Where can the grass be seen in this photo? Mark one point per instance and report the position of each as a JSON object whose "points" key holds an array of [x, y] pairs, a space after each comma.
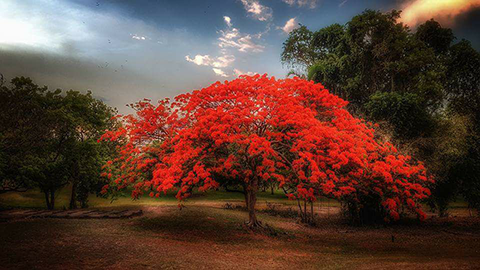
{"points": [[36, 199], [203, 235]]}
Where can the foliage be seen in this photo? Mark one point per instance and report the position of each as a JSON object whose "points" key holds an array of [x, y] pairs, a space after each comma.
{"points": [[464, 79], [374, 53], [48, 139], [416, 82], [298, 49], [403, 110], [435, 36], [257, 129]]}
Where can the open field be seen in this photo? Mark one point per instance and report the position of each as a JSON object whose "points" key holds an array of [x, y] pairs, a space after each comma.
{"points": [[206, 236]]}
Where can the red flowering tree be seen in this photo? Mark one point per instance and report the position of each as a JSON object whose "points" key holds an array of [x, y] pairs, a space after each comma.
{"points": [[257, 129]]}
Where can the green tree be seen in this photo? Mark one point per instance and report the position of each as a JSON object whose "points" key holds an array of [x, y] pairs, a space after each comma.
{"points": [[374, 53], [88, 118], [298, 50], [48, 140], [22, 132], [435, 36]]}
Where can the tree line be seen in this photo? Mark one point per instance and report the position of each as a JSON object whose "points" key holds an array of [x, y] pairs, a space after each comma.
{"points": [[422, 85]]}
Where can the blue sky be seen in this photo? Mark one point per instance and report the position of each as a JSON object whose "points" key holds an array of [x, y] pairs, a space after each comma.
{"points": [[125, 50]]}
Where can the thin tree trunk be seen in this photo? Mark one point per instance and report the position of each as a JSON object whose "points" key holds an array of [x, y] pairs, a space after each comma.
{"points": [[305, 210], [47, 200], [73, 197], [300, 210], [52, 199], [312, 216]]}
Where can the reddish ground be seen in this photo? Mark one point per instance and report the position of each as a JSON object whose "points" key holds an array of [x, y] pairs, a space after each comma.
{"points": [[208, 237]]}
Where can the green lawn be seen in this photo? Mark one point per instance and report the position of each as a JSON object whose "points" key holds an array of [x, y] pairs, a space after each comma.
{"points": [[36, 199]]}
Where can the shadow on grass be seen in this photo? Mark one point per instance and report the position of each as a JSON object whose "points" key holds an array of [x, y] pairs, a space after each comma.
{"points": [[194, 224]]}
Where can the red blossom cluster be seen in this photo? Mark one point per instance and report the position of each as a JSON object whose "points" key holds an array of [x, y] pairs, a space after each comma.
{"points": [[257, 128]]}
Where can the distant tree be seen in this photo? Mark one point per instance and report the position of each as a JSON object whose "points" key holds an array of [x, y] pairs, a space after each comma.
{"points": [[376, 54], [435, 36], [463, 72], [299, 50]]}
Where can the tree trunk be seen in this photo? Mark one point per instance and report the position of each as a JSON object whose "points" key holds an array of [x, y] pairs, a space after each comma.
{"points": [[312, 214], [52, 199], [272, 188], [47, 200], [302, 216], [73, 197], [250, 200]]}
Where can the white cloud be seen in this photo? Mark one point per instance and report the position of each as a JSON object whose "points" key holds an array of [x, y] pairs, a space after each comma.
{"points": [[257, 10], [230, 41], [28, 24], [342, 3], [206, 60], [201, 60], [228, 21], [302, 3], [290, 25], [138, 37], [238, 72], [219, 72], [242, 42]]}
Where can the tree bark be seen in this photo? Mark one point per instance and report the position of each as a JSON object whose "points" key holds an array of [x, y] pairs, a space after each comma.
{"points": [[250, 200], [52, 199], [73, 197], [47, 200]]}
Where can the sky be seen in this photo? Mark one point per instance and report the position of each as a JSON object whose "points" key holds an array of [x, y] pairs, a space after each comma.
{"points": [[127, 50]]}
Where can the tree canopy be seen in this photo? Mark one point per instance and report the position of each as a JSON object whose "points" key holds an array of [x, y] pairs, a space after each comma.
{"points": [[415, 83], [48, 140], [258, 129]]}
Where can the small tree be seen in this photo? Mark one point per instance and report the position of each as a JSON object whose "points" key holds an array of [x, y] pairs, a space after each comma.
{"points": [[256, 129]]}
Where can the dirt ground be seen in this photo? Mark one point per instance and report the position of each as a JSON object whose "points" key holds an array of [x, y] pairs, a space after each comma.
{"points": [[209, 237]]}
